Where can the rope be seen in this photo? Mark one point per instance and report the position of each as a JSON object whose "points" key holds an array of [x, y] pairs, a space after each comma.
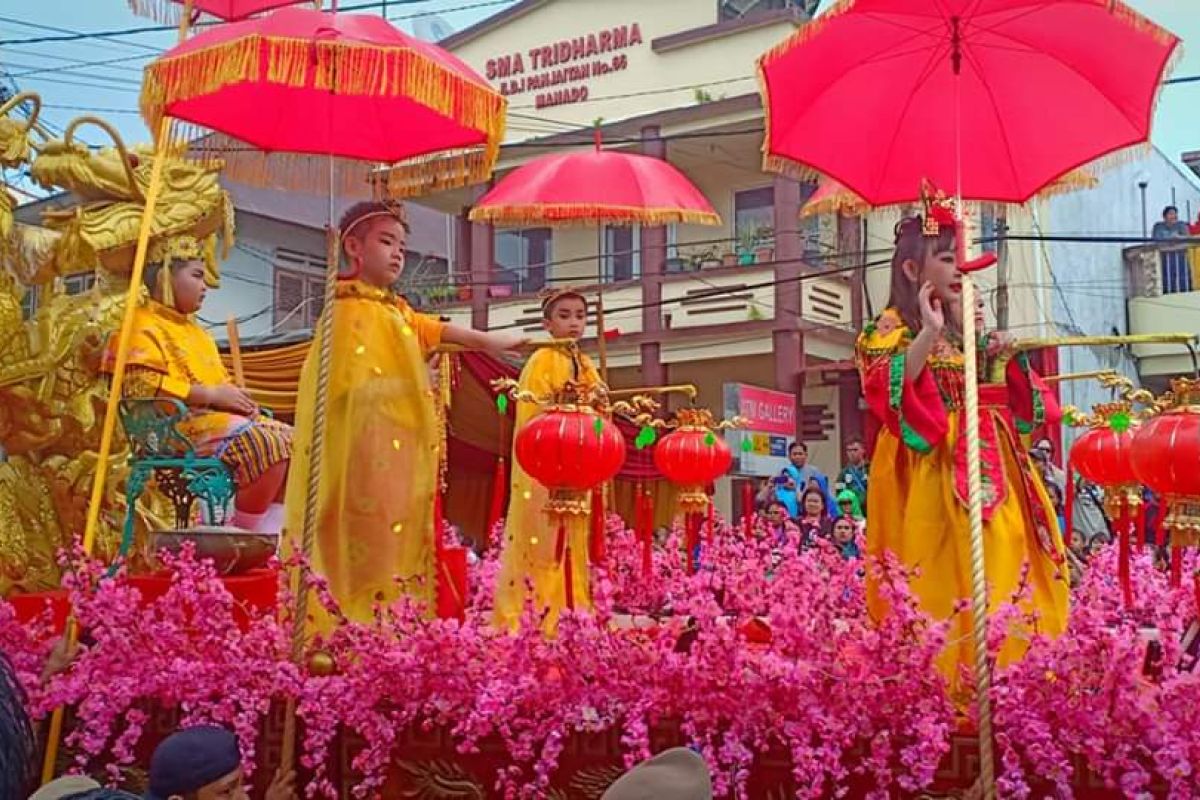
{"points": [[312, 489], [979, 599]]}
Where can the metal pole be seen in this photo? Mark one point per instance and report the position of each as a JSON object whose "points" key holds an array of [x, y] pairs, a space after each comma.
{"points": [[1145, 230]]}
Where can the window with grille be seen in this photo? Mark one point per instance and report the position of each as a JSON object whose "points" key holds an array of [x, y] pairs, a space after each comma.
{"points": [[78, 283], [299, 289]]}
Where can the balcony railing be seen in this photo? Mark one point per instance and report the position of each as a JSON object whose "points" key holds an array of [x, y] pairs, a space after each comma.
{"points": [[1154, 270]]}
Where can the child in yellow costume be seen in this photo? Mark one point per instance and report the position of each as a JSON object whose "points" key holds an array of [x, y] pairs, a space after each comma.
{"points": [[527, 560], [379, 465], [170, 355], [912, 368]]}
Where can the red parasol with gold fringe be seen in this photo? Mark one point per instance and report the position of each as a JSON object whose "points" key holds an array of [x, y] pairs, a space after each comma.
{"points": [[175, 11], [832, 197], [595, 187], [265, 94]]}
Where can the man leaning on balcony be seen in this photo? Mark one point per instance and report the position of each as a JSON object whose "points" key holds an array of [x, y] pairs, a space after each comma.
{"points": [[1176, 275]]}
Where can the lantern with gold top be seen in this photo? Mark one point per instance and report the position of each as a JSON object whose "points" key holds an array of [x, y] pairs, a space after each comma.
{"points": [[570, 447], [1102, 455], [1166, 457], [692, 456]]}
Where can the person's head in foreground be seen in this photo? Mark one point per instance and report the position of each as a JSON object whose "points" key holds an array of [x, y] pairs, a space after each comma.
{"points": [[374, 239], [18, 746], [202, 763], [676, 774]]}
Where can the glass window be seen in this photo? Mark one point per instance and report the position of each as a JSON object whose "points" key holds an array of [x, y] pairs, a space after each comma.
{"points": [[522, 258], [753, 211], [622, 252]]}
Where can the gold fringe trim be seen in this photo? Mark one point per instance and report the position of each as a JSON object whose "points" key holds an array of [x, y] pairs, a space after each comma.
{"points": [[162, 11], [348, 69], [584, 213]]}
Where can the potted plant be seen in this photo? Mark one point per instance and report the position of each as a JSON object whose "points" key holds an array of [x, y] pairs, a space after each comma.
{"points": [[729, 259], [464, 292], [708, 258], [763, 249], [747, 241]]}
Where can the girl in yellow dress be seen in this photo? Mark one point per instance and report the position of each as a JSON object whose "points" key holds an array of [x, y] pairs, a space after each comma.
{"points": [[379, 464], [527, 561], [912, 368], [170, 355]]}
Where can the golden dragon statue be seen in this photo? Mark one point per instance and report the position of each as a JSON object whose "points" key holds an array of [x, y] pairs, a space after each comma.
{"points": [[52, 394]]}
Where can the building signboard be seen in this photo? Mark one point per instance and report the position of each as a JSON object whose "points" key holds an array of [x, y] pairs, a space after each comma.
{"points": [[561, 72], [770, 426]]}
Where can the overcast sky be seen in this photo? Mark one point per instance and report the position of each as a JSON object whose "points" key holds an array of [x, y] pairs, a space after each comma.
{"points": [[110, 90]]}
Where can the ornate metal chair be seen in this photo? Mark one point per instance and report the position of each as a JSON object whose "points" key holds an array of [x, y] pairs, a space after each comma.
{"points": [[158, 450]]}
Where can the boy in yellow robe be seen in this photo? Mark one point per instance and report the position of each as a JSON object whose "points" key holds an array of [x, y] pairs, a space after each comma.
{"points": [[527, 560], [379, 465], [170, 355]]}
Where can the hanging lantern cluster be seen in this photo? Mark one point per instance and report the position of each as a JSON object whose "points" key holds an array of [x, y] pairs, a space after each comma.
{"points": [[1166, 458]]}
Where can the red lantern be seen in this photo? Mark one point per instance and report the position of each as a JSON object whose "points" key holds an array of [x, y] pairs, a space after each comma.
{"points": [[569, 449], [693, 456], [1103, 455], [1166, 457]]}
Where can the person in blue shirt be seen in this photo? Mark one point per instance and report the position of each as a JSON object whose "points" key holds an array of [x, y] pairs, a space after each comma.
{"points": [[796, 478]]}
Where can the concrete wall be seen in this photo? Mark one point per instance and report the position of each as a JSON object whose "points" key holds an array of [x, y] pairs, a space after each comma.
{"points": [[247, 276], [1088, 280]]}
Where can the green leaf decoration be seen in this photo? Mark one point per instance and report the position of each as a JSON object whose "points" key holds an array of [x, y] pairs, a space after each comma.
{"points": [[645, 437], [710, 439], [599, 426], [747, 445], [1120, 421], [1069, 419], [502, 403]]}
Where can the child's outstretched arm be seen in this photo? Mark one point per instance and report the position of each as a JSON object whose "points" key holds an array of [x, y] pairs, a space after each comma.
{"points": [[495, 342]]}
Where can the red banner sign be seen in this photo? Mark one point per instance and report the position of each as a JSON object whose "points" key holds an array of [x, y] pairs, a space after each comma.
{"points": [[767, 411]]}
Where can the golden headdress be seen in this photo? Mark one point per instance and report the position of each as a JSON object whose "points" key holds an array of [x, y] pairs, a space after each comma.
{"points": [[361, 212], [167, 250], [551, 296]]}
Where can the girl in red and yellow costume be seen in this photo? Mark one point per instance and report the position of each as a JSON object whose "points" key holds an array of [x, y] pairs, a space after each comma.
{"points": [[911, 363], [170, 355], [530, 537], [379, 462]]}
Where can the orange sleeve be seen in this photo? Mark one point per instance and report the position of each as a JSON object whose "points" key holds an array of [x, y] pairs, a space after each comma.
{"points": [[429, 331]]}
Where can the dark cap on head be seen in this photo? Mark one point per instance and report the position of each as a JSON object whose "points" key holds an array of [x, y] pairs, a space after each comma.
{"points": [[191, 759]]}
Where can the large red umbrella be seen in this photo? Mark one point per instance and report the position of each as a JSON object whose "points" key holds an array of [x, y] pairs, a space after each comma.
{"points": [[172, 11], [866, 93], [301, 81], [996, 98]]}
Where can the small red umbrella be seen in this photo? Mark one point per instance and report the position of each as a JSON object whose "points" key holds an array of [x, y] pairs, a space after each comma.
{"points": [[173, 11], [306, 82], [866, 93], [595, 186]]}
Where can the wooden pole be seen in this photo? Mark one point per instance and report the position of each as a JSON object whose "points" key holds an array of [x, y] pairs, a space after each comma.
{"points": [[100, 478], [235, 351]]}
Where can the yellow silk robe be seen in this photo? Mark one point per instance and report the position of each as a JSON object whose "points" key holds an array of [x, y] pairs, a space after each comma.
{"points": [[378, 470], [168, 354], [917, 494], [530, 536]]}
